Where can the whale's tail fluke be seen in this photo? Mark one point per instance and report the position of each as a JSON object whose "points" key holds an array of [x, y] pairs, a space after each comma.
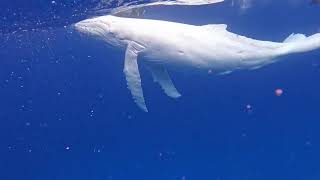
{"points": [[299, 43]]}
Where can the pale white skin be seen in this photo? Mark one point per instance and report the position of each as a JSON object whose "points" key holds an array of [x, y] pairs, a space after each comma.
{"points": [[208, 47]]}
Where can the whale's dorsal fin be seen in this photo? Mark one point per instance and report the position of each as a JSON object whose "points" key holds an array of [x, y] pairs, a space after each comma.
{"points": [[161, 76], [215, 27], [295, 38], [132, 74]]}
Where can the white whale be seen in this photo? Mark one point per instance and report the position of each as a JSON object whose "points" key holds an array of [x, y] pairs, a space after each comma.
{"points": [[162, 43]]}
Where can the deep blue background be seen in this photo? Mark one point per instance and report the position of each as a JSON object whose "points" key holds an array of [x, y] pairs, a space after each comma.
{"points": [[66, 112]]}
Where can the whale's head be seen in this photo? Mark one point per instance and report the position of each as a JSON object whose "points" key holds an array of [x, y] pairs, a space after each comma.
{"points": [[102, 28], [97, 27]]}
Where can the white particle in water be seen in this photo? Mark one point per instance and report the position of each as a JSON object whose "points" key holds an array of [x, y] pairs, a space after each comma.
{"points": [[308, 143], [91, 113]]}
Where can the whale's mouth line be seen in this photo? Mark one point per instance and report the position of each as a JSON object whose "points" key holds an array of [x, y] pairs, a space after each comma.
{"points": [[94, 27]]}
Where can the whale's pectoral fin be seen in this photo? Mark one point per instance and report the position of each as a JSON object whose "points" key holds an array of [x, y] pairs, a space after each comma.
{"points": [[161, 76], [132, 74]]}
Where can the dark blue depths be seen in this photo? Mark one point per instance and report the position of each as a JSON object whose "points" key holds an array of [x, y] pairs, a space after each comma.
{"points": [[66, 113]]}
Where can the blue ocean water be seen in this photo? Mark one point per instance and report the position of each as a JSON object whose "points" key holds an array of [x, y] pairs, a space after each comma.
{"points": [[66, 112]]}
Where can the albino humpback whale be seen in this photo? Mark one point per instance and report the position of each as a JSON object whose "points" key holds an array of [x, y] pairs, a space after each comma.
{"points": [[162, 43]]}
